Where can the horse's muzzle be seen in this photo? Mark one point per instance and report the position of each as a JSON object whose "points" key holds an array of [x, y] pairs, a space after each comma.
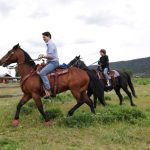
{"points": [[3, 63]]}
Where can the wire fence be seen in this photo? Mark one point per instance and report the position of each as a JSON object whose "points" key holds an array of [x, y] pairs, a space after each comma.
{"points": [[8, 83]]}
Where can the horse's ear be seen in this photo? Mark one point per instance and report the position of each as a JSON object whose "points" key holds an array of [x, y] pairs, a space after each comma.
{"points": [[16, 46], [78, 57]]}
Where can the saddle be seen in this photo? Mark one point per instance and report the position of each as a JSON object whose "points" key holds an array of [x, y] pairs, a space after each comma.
{"points": [[113, 74], [53, 77]]}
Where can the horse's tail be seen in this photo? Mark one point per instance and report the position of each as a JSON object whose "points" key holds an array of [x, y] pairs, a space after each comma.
{"points": [[131, 85], [96, 86]]}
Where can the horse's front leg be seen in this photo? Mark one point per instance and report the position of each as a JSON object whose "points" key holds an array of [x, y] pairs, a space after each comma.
{"points": [[39, 105], [23, 100]]}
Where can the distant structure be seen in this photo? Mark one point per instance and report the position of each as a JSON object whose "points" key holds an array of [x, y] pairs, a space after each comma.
{"points": [[4, 79]]}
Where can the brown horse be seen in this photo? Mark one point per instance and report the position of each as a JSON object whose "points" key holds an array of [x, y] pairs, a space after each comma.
{"points": [[75, 80]]}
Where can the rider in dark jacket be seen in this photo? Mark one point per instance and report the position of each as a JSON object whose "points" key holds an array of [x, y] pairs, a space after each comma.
{"points": [[104, 63]]}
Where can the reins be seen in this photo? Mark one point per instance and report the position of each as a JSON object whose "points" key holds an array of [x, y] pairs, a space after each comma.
{"points": [[86, 67], [93, 63], [21, 63]]}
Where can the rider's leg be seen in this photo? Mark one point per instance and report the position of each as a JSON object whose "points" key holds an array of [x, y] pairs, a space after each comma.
{"points": [[107, 76], [51, 66]]}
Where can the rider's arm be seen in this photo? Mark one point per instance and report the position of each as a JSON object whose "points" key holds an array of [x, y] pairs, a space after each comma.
{"points": [[99, 62], [48, 57]]}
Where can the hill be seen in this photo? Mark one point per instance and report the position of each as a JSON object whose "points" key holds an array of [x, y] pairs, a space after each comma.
{"points": [[139, 67]]}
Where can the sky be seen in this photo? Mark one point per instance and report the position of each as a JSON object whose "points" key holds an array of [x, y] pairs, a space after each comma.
{"points": [[78, 27]]}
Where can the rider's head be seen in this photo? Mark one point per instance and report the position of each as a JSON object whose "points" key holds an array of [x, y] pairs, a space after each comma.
{"points": [[102, 52], [46, 36]]}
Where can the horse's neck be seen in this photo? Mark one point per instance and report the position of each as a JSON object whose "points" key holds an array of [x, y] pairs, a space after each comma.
{"points": [[83, 65], [24, 69]]}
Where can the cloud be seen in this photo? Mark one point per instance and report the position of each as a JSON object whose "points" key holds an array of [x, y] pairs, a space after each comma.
{"points": [[100, 19], [39, 14], [83, 41], [64, 1], [5, 8], [129, 44], [34, 43], [59, 44], [37, 43]]}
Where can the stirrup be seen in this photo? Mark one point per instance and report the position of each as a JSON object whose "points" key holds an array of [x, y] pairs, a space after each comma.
{"points": [[47, 94], [109, 83]]}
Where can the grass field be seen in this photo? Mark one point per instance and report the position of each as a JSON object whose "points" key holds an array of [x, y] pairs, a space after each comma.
{"points": [[112, 128]]}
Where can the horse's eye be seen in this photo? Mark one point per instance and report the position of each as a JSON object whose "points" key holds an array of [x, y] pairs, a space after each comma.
{"points": [[12, 52]]}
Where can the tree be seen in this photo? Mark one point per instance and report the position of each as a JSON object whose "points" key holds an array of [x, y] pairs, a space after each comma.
{"points": [[17, 72]]}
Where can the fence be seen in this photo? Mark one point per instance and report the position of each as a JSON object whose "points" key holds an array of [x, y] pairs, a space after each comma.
{"points": [[7, 86]]}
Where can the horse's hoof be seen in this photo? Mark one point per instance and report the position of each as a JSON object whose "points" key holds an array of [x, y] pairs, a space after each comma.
{"points": [[133, 105], [47, 123], [15, 123]]}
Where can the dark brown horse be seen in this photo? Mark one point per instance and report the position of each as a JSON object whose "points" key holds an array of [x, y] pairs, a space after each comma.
{"points": [[120, 82], [75, 80]]}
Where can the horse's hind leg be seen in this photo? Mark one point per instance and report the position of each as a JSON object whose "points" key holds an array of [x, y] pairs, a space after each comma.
{"points": [[89, 94], [78, 97], [72, 110], [39, 105], [23, 100], [130, 96], [95, 100], [88, 101], [119, 95]]}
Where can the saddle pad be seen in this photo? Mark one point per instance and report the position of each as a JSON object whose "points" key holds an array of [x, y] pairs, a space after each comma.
{"points": [[116, 73]]}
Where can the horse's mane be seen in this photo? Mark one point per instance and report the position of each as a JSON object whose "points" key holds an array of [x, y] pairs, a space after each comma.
{"points": [[28, 59], [83, 62]]}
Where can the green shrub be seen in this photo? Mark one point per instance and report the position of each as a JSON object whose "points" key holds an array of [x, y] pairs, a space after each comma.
{"points": [[77, 121], [7, 144], [117, 113], [108, 98], [63, 97], [126, 98], [107, 115], [25, 110], [31, 104], [142, 81], [53, 113]]}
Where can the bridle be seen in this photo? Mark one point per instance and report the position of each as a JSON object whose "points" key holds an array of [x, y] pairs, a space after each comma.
{"points": [[75, 63], [18, 63], [6, 59]]}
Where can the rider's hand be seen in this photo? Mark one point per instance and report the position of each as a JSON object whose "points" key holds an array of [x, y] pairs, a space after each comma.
{"points": [[41, 56]]}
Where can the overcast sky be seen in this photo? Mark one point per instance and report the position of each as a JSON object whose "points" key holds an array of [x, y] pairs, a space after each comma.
{"points": [[82, 27]]}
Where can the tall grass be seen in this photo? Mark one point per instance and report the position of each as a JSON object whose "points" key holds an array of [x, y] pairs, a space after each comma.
{"points": [[141, 81], [113, 126], [108, 115]]}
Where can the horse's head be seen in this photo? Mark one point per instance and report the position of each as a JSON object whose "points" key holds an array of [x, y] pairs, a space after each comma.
{"points": [[10, 57], [76, 62]]}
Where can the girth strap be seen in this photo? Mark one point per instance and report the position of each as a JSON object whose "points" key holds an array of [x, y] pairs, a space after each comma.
{"points": [[26, 77], [56, 83]]}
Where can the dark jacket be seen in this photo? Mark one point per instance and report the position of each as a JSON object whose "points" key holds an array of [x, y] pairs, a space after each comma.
{"points": [[104, 62]]}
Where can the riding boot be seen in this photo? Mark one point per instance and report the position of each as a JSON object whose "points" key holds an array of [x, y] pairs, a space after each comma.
{"points": [[108, 83], [47, 94]]}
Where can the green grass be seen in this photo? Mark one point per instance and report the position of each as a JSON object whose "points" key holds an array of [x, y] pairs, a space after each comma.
{"points": [[113, 127]]}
